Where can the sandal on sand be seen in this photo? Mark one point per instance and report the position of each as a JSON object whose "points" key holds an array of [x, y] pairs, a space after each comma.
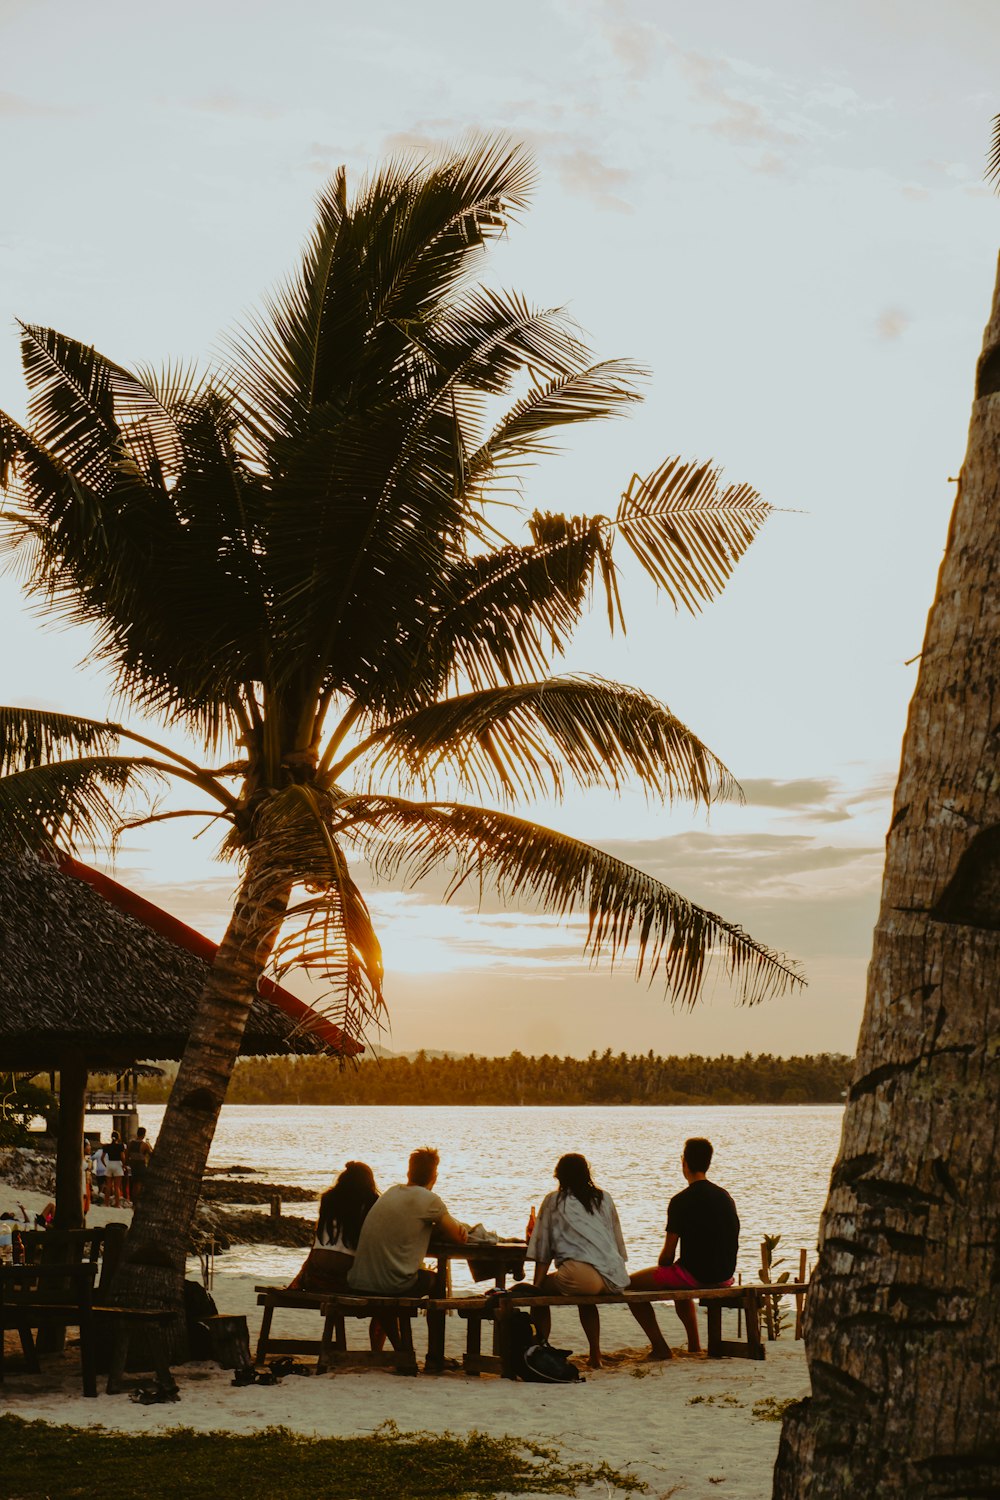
{"points": [[154, 1395]]}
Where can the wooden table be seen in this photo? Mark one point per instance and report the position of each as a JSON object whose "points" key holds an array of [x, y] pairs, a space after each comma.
{"points": [[491, 1262], [50, 1297]]}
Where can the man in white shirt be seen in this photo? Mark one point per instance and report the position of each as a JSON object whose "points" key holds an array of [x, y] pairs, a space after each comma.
{"points": [[397, 1230]]}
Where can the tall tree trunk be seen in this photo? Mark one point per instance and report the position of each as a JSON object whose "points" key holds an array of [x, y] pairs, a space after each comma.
{"points": [[69, 1143], [151, 1272], [903, 1319]]}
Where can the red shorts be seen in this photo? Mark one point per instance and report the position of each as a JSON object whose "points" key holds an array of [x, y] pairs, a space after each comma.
{"points": [[676, 1278]]}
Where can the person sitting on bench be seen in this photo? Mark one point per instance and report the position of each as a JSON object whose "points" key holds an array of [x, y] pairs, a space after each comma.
{"points": [[343, 1209], [397, 1231], [703, 1222], [578, 1228]]}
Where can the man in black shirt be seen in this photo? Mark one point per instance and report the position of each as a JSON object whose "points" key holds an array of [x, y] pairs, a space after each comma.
{"points": [[701, 1221]]}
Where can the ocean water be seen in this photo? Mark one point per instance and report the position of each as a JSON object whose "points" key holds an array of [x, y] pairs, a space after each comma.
{"points": [[495, 1163]]}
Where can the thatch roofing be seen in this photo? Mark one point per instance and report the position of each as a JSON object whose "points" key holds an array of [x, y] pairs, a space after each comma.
{"points": [[89, 968]]}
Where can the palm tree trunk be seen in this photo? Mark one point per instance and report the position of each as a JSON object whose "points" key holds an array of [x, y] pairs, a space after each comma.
{"points": [[903, 1318], [151, 1273]]}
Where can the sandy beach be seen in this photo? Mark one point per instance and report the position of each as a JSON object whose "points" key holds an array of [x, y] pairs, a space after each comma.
{"points": [[686, 1428]]}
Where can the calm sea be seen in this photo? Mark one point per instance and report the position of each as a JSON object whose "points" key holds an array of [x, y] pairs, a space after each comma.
{"points": [[496, 1163]]}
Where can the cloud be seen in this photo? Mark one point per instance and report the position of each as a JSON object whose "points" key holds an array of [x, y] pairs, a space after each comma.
{"points": [[634, 43], [891, 324], [742, 120], [583, 171], [803, 793]]}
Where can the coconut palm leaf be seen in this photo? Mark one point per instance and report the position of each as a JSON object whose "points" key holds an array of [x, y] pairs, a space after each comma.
{"points": [[526, 740], [33, 737], [993, 164], [337, 327], [687, 533], [672, 937], [529, 428], [72, 803]]}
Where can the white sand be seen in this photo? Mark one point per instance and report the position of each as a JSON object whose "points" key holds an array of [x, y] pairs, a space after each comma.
{"points": [[686, 1427]]}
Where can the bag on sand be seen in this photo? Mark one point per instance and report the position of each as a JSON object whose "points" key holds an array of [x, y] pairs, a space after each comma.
{"points": [[198, 1304], [528, 1359]]}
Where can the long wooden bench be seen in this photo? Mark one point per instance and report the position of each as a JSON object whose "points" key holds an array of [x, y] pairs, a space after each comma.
{"points": [[330, 1350], [750, 1301]]}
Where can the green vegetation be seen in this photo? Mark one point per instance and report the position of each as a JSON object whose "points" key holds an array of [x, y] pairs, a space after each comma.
{"points": [[41, 1460], [20, 1102], [605, 1079], [770, 1409]]}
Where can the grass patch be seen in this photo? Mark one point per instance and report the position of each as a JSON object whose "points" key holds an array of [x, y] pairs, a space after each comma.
{"points": [[769, 1409], [41, 1460]]}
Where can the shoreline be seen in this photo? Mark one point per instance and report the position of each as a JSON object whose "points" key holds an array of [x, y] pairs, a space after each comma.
{"points": [[682, 1426]]}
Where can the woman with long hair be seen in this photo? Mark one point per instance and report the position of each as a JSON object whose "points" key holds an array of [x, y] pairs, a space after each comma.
{"points": [[342, 1211], [578, 1228]]}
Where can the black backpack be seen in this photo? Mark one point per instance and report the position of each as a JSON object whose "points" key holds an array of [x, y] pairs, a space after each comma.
{"points": [[198, 1304], [526, 1358]]}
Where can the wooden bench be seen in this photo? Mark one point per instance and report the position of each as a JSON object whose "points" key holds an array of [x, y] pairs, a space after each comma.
{"points": [[330, 1350], [748, 1300], [43, 1297]]}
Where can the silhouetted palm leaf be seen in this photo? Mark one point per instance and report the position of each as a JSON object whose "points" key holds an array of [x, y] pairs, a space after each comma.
{"points": [[525, 740], [993, 164]]}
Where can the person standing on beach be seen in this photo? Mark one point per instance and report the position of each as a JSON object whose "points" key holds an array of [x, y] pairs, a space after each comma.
{"points": [[397, 1230], [703, 1238], [114, 1156], [139, 1152]]}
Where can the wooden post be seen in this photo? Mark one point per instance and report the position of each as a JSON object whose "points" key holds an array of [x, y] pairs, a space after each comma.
{"points": [[275, 1205], [69, 1144], [765, 1275], [799, 1299]]}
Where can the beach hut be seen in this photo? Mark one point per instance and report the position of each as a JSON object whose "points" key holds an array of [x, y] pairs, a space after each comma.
{"points": [[93, 978]]}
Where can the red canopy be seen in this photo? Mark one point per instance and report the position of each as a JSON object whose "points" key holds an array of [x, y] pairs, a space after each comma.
{"points": [[179, 933]]}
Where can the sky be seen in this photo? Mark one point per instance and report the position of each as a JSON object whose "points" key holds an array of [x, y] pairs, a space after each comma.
{"points": [[778, 208]]}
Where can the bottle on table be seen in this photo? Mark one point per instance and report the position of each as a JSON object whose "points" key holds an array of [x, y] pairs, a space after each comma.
{"points": [[530, 1227]]}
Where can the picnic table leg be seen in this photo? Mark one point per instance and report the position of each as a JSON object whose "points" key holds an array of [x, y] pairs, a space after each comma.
{"points": [[434, 1362], [264, 1335], [752, 1305], [88, 1352], [714, 1314], [406, 1359], [502, 1324], [473, 1344], [119, 1354]]}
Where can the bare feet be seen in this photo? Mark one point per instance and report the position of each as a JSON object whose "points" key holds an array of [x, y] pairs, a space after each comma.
{"points": [[660, 1353], [595, 1362]]}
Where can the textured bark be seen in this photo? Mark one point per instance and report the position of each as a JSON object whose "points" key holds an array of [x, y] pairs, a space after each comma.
{"points": [[151, 1273], [69, 1143], [903, 1319]]}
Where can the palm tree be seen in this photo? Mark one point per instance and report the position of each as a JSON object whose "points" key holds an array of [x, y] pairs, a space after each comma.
{"points": [[299, 562], [903, 1319]]}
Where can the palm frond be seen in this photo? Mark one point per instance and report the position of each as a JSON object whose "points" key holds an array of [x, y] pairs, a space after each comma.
{"points": [[672, 937], [534, 422], [523, 740], [74, 803], [372, 267], [687, 533], [993, 163], [32, 737]]}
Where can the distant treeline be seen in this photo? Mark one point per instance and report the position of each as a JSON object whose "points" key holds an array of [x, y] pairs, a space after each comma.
{"points": [[608, 1078]]}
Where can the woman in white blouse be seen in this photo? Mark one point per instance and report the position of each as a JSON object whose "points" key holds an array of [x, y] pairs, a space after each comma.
{"points": [[578, 1228], [342, 1211]]}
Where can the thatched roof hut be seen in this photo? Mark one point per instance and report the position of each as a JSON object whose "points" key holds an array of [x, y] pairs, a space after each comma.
{"points": [[94, 978], [90, 968]]}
